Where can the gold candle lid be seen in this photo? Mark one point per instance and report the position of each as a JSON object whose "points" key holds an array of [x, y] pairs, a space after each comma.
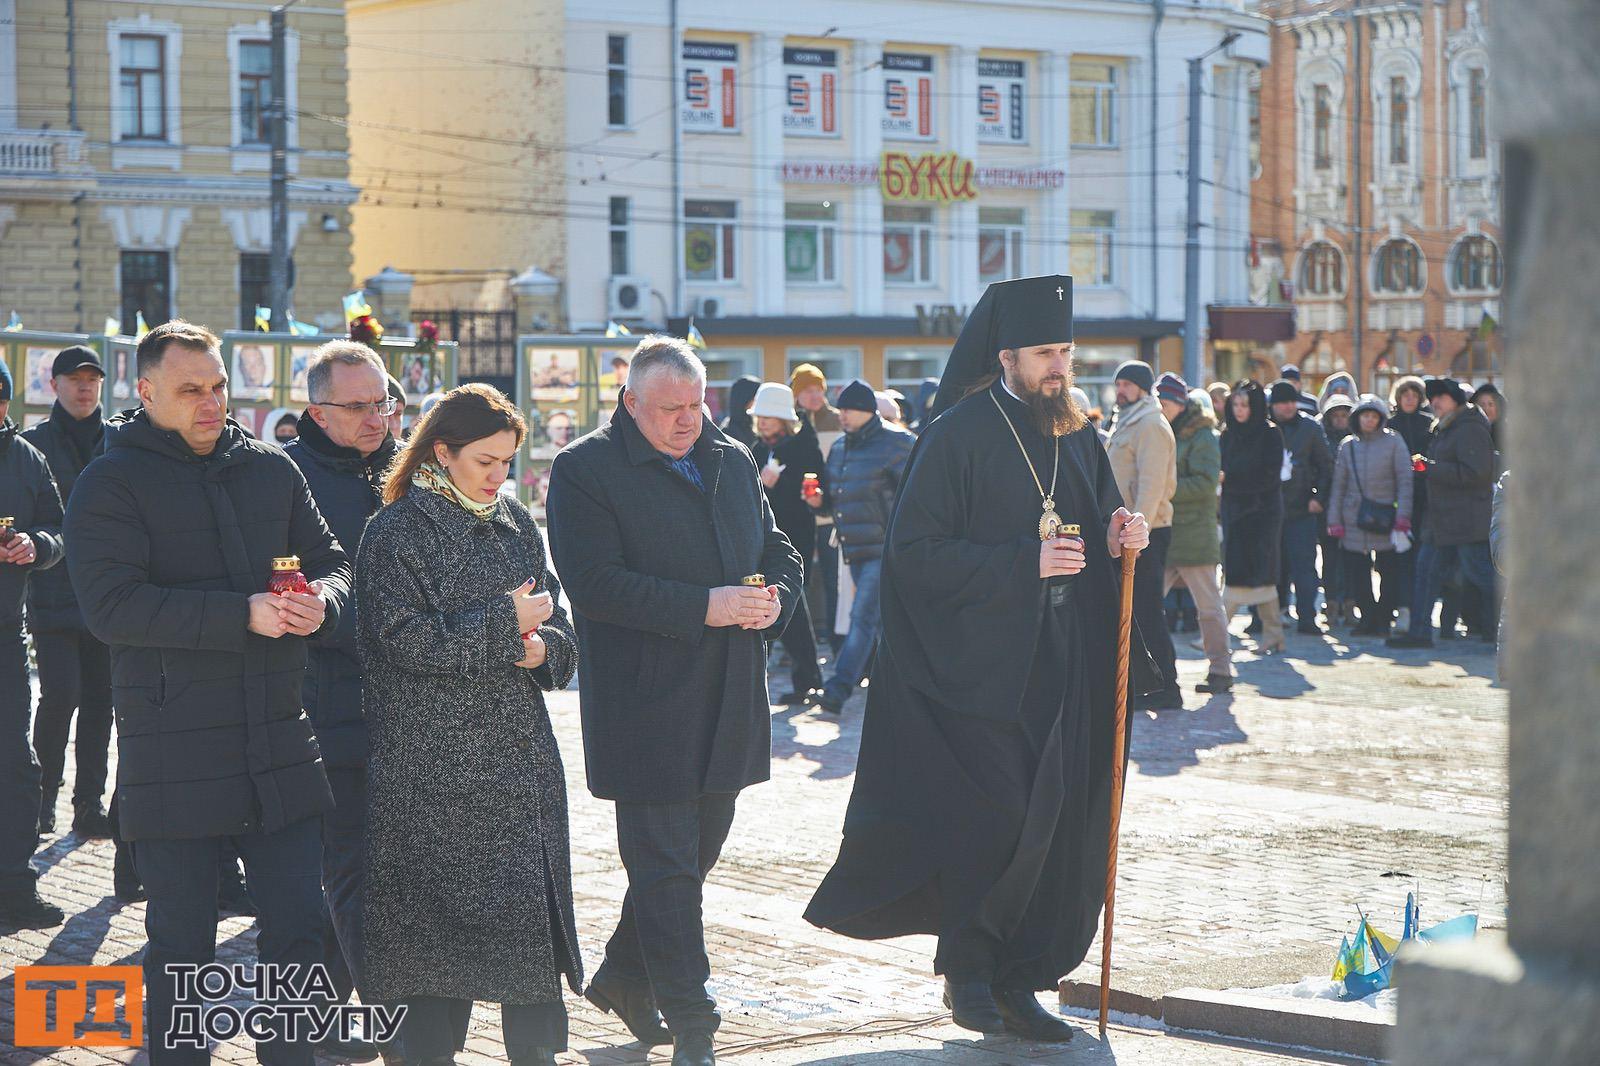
{"points": [[1071, 529], [7, 523], [286, 562], [755, 581]]}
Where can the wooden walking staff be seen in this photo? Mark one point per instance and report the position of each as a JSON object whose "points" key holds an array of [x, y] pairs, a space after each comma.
{"points": [[1119, 747]]}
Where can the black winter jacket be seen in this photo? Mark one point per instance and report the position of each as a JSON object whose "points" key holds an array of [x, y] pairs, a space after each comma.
{"points": [[167, 548], [799, 455], [347, 490], [1312, 470], [864, 470], [28, 495], [51, 603]]}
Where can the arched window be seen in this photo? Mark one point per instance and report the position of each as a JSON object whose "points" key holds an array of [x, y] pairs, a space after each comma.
{"points": [[1321, 270], [1397, 267], [1475, 265]]}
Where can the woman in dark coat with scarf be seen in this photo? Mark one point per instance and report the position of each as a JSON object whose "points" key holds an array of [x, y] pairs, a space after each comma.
{"points": [[1252, 510], [468, 878]]}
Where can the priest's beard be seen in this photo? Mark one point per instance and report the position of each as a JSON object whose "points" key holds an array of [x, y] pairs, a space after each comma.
{"points": [[1054, 413]]}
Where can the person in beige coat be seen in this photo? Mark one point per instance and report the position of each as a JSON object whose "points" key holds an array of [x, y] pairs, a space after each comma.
{"points": [[1144, 460]]}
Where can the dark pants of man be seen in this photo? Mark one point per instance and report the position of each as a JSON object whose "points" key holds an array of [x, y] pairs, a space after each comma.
{"points": [[19, 770], [1434, 565], [74, 676], [1333, 583], [1300, 566], [826, 586], [284, 870], [1149, 588], [344, 840], [668, 849], [436, 1028], [800, 642]]}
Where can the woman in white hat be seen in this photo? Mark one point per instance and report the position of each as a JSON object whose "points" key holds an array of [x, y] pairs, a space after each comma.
{"points": [[786, 453]]}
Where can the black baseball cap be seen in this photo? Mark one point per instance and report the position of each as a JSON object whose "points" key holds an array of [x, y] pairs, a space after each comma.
{"points": [[76, 358]]}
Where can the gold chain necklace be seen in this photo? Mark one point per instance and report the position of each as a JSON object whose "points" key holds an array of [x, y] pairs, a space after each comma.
{"points": [[1049, 522]]}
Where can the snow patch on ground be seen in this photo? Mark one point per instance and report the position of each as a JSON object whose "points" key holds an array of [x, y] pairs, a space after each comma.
{"points": [[1382, 1003]]}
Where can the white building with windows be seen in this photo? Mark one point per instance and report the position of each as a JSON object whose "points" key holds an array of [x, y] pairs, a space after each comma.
{"points": [[134, 162], [837, 183]]}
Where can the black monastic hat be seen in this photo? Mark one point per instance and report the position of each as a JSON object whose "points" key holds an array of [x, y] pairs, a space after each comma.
{"points": [[1011, 314]]}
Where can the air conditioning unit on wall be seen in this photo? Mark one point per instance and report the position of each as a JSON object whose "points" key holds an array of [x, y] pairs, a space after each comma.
{"points": [[627, 296], [708, 307]]}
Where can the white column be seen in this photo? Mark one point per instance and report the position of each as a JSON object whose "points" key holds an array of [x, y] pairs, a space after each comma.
{"points": [[766, 208], [1046, 251], [865, 224], [963, 119]]}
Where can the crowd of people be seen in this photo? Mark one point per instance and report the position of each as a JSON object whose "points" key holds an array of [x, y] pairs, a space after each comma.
{"points": [[366, 732]]}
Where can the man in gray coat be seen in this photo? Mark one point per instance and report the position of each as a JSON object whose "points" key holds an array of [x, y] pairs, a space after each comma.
{"points": [[659, 527]]}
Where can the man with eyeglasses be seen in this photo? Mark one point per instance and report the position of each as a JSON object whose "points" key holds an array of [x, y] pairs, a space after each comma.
{"points": [[344, 446]]}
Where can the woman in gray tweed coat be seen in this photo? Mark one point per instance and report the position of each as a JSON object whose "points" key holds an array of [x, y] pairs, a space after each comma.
{"points": [[468, 879]]}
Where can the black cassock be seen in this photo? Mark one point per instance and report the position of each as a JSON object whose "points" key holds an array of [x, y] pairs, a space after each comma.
{"points": [[982, 797]]}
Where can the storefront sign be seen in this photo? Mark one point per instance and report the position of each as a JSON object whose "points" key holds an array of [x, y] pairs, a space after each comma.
{"points": [[939, 177], [831, 172], [1021, 178], [810, 92], [907, 96], [1002, 93], [710, 87]]}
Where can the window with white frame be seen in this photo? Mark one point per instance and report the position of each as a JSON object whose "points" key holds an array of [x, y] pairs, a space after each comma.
{"points": [[145, 279], [1322, 127], [142, 87], [906, 368], [1093, 103], [1477, 105], [1475, 265], [1321, 270], [907, 245], [724, 366], [810, 242], [1000, 243], [255, 92], [840, 365], [619, 236], [1397, 268], [1091, 247], [710, 240], [1254, 99], [1399, 122], [616, 79]]}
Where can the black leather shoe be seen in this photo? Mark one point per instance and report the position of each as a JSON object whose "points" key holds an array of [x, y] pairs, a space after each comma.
{"points": [[797, 697], [47, 812], [1215, 683], [1025, 1018], [693, 1049], [91, 822], [25, 910], [633, 1004], [972, 1006], [124, 878], [347, 1050]]}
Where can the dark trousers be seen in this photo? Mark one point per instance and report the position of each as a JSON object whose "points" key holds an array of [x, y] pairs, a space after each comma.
{"points": [[1149, 587], [827, 586], [74, 676], [801, 644], [344, 840], [284, 872], [1300, 566], [1358, 567], [668, 849], [436, 1028], [1333, 584], [1405, 574], [19, 770], [1435, 563]]}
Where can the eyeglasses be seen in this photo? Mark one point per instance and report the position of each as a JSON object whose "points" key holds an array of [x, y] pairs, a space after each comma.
{"points": [[384, 407]]}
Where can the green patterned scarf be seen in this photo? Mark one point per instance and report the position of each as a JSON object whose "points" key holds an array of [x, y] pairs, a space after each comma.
{"points": [[431, 476]]}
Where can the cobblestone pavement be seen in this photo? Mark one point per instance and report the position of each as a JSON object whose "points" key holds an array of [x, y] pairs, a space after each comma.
{"points": [[1254, 824]]}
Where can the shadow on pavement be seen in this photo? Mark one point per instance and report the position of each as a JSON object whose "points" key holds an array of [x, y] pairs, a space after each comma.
{"points": [[834, 759], [1169, 742]]}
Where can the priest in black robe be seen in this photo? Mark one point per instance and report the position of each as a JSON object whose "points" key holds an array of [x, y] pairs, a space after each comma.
{"points": [[981, 807]]}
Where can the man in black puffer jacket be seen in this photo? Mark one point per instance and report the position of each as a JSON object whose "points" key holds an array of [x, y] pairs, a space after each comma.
{"points": [[74, 668], [27, 497], [174, 531], [864, 469], [343, 449]]}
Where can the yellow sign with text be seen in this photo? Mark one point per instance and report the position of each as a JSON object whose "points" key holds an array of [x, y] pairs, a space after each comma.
{"points": [[935, 177]]}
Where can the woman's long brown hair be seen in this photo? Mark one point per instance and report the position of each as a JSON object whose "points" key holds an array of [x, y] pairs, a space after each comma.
{"points": [[464, 414]]}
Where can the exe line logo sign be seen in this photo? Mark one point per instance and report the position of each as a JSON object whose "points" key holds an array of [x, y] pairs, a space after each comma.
{"points": [[79, 1006]]}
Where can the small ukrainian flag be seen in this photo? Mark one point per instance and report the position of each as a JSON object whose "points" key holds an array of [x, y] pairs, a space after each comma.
{"points": [[694, 338], [15, 325], [264, 319], [355, 306], [617, 329], [139, 326]]}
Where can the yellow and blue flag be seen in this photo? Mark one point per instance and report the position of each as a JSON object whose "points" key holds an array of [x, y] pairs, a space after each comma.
{"points": [[694, 338], [299, 328], [15, 325], [617, 329], [112, 327], [356, 306], [264, 319], [139, 327]]}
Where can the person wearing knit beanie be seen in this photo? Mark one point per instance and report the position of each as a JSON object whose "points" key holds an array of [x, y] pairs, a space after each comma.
{"points": [[1173, 389], [858, 396], [1434, 388], [805, 376], [1283, 391], [1137, 373]]}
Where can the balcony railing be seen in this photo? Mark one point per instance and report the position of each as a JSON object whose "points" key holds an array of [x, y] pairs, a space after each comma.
{"points": [[41, 152]]}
